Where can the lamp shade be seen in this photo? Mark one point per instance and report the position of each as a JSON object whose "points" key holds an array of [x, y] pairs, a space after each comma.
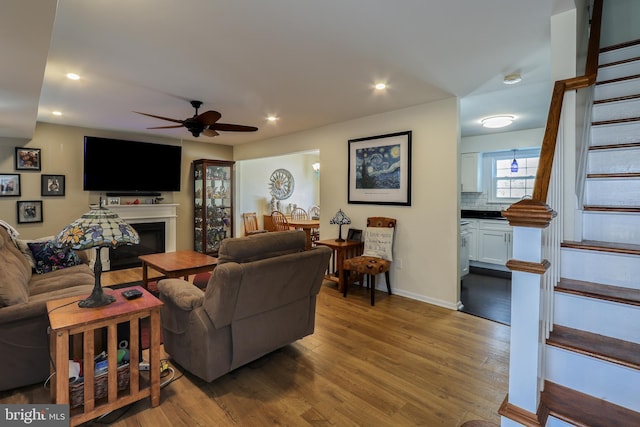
{"points": [[341, 219], [99, 227]]}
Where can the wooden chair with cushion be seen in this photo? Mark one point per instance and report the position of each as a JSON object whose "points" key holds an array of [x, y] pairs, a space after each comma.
{"points": [[280, 221], [251, 224], [376, 257]]}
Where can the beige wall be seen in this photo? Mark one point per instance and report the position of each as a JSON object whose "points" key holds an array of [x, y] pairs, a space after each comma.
{"points": [[62, 153], [426, 241]]}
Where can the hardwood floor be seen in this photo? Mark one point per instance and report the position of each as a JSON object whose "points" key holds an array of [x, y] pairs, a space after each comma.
{"points": [[400, 363], [487, 293]]}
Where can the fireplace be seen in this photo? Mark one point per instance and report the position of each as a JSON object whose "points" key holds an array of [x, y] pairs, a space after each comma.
{"points": [[160, 214], [151, 242]]}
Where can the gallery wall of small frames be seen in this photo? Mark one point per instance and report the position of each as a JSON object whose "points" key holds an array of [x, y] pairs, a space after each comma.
{"points": [[51, 185]]}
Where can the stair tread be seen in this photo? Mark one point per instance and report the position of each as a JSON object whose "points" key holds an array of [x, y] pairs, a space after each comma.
{"points": [[595, 245], [615, 146], [618, 79], [624, 353], [600, 291], [582, 409], [614, 175], [620, 209], [616, 99], [619, 45], [616, 121]]}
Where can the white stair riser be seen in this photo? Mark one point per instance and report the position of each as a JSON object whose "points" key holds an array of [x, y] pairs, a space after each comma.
{"points": [[615, 133], [600, 317], [600, 267], [619, 54], [603, 380], [616, 110], [614, 161], [612, 192], [625, 69], [611, 227], [617, 89]]}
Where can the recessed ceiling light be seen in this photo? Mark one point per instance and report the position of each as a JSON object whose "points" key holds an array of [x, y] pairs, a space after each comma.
{"points": [[380, 86], [497, 121], [56, 113], [513, 78], [73, 76]]}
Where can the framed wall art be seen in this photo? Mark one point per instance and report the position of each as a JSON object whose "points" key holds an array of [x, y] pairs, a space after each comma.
{"points": [[29, 211], [28, 159], [9, 184], [52, 185], [380, 169]]}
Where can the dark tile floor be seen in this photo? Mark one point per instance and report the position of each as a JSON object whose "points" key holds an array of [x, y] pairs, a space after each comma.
{"points": [[487, 293]]}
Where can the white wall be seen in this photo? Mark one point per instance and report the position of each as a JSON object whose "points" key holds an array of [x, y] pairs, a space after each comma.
{"points": [[426, 240], [502, 141], [620, 21], [252, 186]]}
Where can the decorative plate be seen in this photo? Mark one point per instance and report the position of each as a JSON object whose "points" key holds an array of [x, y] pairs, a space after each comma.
{"points": [[281, 184]]}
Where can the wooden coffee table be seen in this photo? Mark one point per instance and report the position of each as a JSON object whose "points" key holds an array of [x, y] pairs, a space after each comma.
{"points": [[176, 264]]}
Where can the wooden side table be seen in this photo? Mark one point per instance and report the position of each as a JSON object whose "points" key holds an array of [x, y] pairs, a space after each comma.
{"points": [[68, 321], [341, 251]]}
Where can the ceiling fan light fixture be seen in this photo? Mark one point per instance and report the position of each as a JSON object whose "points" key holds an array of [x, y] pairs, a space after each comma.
{"points": [[513, 78], [496, 122]]}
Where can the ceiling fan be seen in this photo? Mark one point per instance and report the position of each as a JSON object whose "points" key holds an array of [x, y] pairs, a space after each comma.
{"points": [[205, 123]]}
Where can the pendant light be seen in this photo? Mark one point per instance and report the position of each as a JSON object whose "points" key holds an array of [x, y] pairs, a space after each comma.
{"points": [[514, 164]]}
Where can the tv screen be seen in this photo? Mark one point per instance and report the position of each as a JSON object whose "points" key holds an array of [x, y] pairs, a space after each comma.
{"points": [[117, 165]]}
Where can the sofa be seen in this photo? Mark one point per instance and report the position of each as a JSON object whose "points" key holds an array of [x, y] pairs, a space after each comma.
{"points": [[261, 296], [23, 315]]}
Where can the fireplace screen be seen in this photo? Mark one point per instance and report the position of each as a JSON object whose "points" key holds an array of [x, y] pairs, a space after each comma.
{"points": [[152, 240]]}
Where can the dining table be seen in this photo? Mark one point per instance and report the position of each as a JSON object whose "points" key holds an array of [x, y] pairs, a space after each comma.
{"points": [[307, 225]]}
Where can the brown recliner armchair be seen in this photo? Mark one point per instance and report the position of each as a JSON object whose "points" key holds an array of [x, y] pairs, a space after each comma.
{"points": [[260, 297]]}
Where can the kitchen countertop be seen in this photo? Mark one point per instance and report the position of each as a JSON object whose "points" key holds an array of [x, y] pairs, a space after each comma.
{"points": [[479, 214]]}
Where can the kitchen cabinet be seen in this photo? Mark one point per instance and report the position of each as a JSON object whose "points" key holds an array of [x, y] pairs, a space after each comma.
{"points": [[213, 204], [495, 245], [472, 230], [470, 172]]}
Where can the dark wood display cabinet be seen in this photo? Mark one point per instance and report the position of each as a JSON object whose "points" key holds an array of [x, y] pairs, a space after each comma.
{"points": [[213, 204]]}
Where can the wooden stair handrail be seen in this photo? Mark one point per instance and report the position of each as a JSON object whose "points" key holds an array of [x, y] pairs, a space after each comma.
{"points": [[535, 212]]}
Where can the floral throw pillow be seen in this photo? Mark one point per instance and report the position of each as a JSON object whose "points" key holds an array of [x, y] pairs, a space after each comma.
{"points": [[49, 257]]}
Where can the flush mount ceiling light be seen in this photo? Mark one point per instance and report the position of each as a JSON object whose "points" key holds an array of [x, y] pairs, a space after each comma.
{"points": [[380, 86], [513, 78], [73, 76], [56, 113], [272, 118], [497, 121]]}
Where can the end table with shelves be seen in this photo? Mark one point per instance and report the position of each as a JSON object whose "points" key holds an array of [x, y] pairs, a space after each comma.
{"points": [[341, 251], [70, 322]]}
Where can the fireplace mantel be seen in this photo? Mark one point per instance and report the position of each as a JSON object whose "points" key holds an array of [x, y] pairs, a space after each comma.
{"points": [[143, 213]]}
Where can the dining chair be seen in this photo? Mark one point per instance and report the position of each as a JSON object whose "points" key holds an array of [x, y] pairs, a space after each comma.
{"points": [[314, 213], [280, 221], [299, 213], [250, 220], [376, 257]]}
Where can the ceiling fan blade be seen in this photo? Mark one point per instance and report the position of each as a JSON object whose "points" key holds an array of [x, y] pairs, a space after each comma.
{"points": [[160, 117], [166, 127], [232, 128], [208, 117], [210, 132]]}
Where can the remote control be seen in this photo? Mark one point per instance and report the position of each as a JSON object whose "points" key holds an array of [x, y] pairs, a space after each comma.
{"points": [[131, 294]]}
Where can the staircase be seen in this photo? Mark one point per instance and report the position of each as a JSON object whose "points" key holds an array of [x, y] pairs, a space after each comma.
{"points": [[592, 373]]}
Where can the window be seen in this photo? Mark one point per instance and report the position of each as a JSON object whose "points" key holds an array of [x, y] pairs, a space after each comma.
{"points": [[508, 186]]}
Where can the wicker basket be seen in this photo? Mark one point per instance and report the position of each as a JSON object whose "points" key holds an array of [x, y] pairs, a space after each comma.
{"points": [[76, 391]]}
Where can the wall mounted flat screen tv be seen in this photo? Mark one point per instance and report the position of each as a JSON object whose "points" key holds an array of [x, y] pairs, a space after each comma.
{"points": [[115, 165]]}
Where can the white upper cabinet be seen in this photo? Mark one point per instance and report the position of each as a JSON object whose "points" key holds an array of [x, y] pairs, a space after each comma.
{"points": [[470, 172]]}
